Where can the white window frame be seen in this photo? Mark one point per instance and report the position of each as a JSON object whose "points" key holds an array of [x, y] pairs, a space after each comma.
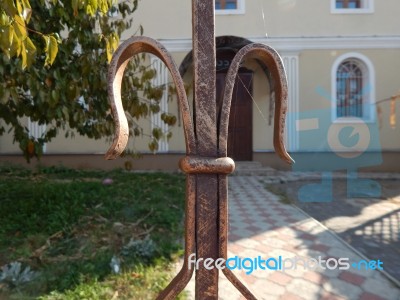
{"points": [[368, 99], [239, 11], [367, 7]]}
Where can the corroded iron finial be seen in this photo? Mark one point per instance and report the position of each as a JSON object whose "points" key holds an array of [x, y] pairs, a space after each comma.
{"points": [[206, 163]]}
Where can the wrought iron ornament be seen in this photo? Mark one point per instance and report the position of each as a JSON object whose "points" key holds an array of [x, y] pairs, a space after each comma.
{"points": [[206, 163]]}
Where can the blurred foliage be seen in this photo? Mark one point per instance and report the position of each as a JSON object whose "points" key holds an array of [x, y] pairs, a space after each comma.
{"points": [[53, 62]]}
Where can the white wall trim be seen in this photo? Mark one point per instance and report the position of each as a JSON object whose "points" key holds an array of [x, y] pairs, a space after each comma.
{"points": [[367, 8], [291, 63], [305, 43], [371, 97]]}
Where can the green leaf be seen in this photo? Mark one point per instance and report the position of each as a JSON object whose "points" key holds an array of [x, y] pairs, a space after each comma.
{"points": [[6, 96], [14, 94], [6, 36], [65, 113]]}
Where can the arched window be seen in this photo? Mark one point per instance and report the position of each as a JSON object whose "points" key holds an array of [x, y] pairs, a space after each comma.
{"points": [[353, 88], [350, 81]]}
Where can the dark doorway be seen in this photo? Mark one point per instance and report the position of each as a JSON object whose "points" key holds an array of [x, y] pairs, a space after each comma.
{"points": [[240, 139]]}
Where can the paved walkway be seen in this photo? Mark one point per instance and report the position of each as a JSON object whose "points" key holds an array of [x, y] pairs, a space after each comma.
{"points": [[260, 225], [370, 225]]}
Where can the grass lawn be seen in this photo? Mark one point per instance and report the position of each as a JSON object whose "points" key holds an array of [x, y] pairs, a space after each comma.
{"points": [[84, 239]]}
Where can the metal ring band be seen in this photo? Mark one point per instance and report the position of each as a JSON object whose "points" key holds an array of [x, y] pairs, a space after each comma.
{"points": [[206, 165]]}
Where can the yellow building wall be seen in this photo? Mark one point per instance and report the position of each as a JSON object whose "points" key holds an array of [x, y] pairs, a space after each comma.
{"points": [[315, 71], [6, 142], [283, 18], [315, 68], [288, 18]]}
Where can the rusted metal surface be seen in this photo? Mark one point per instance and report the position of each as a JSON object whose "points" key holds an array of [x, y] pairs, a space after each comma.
{"points": [[206, 163], [268, 56], [124, 53], [204, 57], [203, 165]]}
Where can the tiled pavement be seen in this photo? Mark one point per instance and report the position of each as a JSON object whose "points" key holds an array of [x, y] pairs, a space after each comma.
{"points": [[370, 225], [261, 225]]}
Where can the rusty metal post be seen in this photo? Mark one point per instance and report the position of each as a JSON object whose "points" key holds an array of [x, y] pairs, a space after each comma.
{"points": [[204, 60], [206, 163]]}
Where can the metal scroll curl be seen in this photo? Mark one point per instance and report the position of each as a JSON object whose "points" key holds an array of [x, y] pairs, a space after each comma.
{"points": [[192, 164], [121, 57], [128, 49], [268, 56]]}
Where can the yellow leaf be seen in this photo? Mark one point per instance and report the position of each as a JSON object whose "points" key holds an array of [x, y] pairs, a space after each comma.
{"points": [[103, 6], [108, 50], [25, 3], [114, 42], [29, 45], [51, 49], [4, 19], [9, 7], [10, 34], [26, 11], [19, 7], [19, 27], [15, 48], [24, 58], [89, 10], [30, 51], [26, 14]]}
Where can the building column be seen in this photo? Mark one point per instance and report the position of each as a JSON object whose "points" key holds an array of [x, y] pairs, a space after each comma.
{"points": [[291, 62]]}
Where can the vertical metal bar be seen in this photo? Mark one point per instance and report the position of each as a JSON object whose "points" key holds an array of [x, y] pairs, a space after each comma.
{"points": [[206, 133], [206, 190]]}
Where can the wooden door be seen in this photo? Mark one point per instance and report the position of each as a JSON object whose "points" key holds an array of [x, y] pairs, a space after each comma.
{"points": [[240, 139]]}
